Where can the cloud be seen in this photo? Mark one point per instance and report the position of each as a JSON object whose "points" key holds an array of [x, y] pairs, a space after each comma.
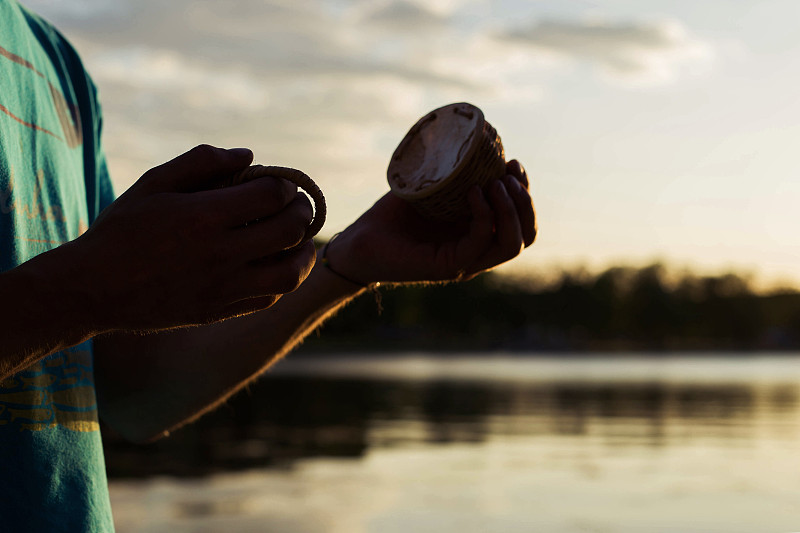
{"points": [[77, 10], [626, 51], [329, 87], [162, 72], [406, 15]]}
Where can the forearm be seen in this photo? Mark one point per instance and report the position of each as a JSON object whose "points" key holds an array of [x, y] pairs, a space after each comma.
{"points": [[45, 310], [151, 384]]}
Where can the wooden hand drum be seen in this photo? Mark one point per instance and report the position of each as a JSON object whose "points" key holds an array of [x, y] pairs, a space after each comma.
{"points": [[442, 157]]}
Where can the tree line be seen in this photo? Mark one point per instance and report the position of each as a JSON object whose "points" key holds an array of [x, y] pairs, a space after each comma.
{"points": [[621, 308]]}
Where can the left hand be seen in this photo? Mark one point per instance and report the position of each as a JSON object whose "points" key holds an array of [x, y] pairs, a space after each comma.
{"points": [[392, 242]]}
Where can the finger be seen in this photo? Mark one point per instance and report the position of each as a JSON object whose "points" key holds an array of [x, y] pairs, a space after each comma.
{"points": [[273, 234], [252, 200], [249, 306], [267, 277], [200, 168], [524, 206], [283, 273], [479, 236], [508, 231], [508, 241], [516, 169], [239, 308]]}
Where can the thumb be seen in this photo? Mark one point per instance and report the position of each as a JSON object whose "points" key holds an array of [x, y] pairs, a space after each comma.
{"points": [[200, 168]]}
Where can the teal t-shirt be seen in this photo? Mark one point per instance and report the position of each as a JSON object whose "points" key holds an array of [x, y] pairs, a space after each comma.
{"points": [[53, 184]]}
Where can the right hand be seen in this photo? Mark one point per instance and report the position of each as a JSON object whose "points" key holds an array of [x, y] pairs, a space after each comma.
{"points": [[393, 243], [177, 250]]}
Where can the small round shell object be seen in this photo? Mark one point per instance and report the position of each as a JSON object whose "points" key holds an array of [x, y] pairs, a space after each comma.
{"points": [[442, 157], [298, 178]]}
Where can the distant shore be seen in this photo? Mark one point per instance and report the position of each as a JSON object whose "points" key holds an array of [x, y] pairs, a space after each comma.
{"points": [[627, 309]]}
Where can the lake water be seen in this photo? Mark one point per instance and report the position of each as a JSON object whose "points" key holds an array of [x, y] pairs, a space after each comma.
{"points": [[501, 443]]}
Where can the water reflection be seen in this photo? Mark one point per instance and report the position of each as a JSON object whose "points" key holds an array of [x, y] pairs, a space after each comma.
{"points": [[293, 415]]}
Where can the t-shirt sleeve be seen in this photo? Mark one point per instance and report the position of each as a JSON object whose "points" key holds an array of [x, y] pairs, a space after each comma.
{"points": [[99, 189], [105, 188], [102, 187]]}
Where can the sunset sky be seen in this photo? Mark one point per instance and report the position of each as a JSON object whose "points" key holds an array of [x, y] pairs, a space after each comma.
{"points": [[653, 129]]}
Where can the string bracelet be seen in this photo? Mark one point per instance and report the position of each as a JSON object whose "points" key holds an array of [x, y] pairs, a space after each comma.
{"points": [[372, 287]]}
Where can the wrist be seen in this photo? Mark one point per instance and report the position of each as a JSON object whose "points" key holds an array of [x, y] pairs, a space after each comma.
{"points": [[344, 279], [74, 288], [339, 257], [52, 312], [341, 273]]}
